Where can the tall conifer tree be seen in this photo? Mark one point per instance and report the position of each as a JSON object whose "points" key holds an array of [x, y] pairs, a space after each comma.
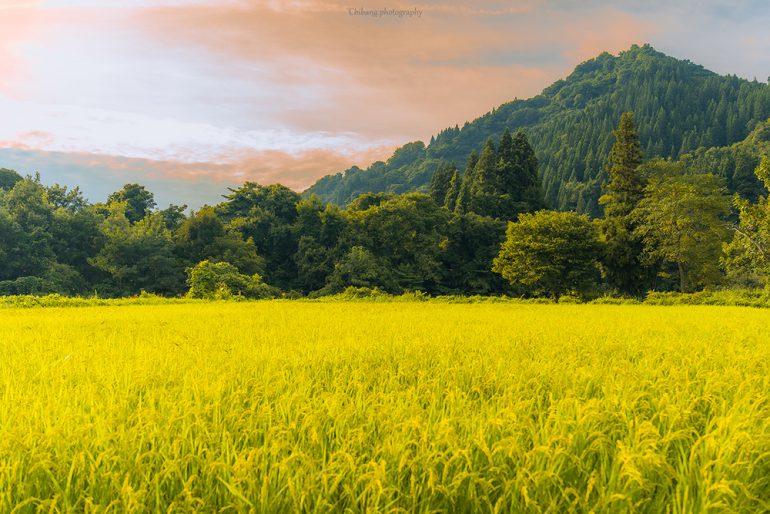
{"points": [[626, 185], [525, 188], [463, 197], [622, 260], [454, 190], [439, 182], [482, 190]]}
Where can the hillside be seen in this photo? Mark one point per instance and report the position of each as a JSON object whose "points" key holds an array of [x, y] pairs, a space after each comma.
{"points": [[735, 163], [680, 107]]}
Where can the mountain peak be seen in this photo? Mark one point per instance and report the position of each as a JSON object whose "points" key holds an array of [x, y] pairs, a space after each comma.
{"points": [[680, 106]]}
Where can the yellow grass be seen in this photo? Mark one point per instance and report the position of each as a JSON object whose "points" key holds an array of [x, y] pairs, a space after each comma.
{"points": [[413, 407]]}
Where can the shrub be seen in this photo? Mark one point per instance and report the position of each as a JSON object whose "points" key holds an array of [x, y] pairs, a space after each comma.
{"points": [[222, 280]]}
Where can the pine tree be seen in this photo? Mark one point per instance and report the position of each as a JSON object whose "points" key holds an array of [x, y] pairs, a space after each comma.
{"points": [[439, 183], [504, 182], [626, 186], [506, 157], [463, 197], [528, 192], [622, 265], [482, 190], [454, 190]]}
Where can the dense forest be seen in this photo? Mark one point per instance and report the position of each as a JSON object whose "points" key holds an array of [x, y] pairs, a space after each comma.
{"points": [[666, 224], [680, 109]]}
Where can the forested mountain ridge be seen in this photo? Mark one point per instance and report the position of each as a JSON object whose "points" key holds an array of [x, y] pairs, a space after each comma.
{"points": [[680, 107], [735, 163]]}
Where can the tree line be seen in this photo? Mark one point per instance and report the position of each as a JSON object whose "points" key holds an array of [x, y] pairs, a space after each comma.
{"points": [[483, 231]]}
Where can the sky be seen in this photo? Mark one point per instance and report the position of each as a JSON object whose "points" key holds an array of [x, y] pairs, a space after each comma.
{"points": [[189, 97]]}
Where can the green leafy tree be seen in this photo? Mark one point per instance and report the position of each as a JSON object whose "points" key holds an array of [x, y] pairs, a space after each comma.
{"points": [[203, 236], [520, 176], [138, 256], [27, 235], [319, 229], [504, 182], [18, 250], [8, 178], [682, 221], [221, 280], [266, 215], [747, 257], [136, 199], [359, 267], [626, 185], [69, 199], [471, 244], [75, 238], [46, 235], [404, 234], [550, 253], [173, 216]]}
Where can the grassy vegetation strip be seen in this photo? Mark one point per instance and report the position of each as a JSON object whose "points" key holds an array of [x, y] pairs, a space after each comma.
{"points": [[282, 406], [731, 297], [56, 300]]}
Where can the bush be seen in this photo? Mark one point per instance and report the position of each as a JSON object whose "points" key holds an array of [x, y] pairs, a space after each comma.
{"points": [[222, 281], [735, 297], [615, 300]]}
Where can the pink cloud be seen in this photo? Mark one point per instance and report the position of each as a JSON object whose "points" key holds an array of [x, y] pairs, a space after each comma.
{"points": [[385, 77]]}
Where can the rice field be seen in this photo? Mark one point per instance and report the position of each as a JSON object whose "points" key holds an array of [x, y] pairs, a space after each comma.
{"points": [[290, 406]]}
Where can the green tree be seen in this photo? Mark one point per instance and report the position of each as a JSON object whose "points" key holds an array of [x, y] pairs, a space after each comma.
{"points": [[222, 280], [682, 221], [504, 182], [138, 256], [482, 190], [518, 168], [404, 234], [203, 236], [27, 234], [471, 244], [266, 215], [747, 257], [8, 178], [62, 197], [19, 253], [173, 216], [550, 253], [464, 195], [626, 185], [359, 267], [136, 199], [450, 200], [441, 181], [319, 229], [46, 235], [622, 263], [76, 238]]}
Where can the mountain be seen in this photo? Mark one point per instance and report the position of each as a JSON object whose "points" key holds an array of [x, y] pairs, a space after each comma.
{"points": [[735, 163], [680, 107]]}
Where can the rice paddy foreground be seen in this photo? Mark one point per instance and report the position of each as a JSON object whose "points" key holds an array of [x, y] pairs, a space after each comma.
{"points": [[285, 406]]}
